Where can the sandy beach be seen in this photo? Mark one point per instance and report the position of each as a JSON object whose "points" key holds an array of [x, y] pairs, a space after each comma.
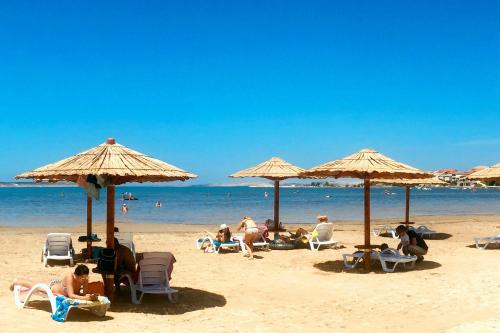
{"points": [[456, 288]]}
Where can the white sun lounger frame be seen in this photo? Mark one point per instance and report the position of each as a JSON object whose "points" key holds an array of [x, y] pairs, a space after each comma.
{"points": [[486, 241], [385, 257], [226, 246], [60, 243], [325, 236], [43, 290]]}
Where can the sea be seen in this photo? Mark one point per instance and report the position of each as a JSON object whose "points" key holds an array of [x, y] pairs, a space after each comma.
{"points": [[55, 206]]}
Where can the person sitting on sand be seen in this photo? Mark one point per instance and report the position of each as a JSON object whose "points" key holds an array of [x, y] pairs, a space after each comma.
{"points": [[416, 246], [72, 285], [251, 232]]}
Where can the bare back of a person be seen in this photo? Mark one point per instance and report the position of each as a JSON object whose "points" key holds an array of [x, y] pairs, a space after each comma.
{"points": [[249, 223]]}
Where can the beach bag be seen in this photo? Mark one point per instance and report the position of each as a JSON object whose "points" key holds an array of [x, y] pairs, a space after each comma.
{"points": [[96, 287], [106, 261]]}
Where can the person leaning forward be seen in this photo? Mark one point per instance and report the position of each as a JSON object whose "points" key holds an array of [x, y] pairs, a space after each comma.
{"points": [[417, 245]]}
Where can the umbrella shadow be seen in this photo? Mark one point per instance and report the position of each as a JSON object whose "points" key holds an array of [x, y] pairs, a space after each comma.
{"points": [[190, 300], [439, 236], [75, 314], [337, 266]]}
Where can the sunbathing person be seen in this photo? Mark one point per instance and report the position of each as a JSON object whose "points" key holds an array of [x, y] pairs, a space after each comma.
{"points": [[251, 232], [72, 285], [301, 233], [223, 235], [124, 263]]}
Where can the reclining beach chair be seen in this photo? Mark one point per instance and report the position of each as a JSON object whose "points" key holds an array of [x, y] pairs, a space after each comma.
{"points": [[389, 259], [324, 236], [153, 277], [216, 245], [385, 229], [486, 241], [98, 307], [424, 231], [127, 239], [58, 246]]}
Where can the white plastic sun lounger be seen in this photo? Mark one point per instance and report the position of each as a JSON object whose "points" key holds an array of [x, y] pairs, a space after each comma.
{"points": [[153, 277], [425, 231], [58, 246], [259, 242], [486, 241], [127, 239], [389, 259], [217, 246], [385, 229], [43, 290], [324, 237]]}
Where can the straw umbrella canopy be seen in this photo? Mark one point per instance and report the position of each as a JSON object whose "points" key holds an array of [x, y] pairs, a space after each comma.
{"points": [[117, 163], [366, 164], [275, 169], [408, 184], [491, 173]]}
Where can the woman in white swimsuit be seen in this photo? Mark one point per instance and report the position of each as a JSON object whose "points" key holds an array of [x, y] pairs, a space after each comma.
{"points": [[72, 285], [251, 232]]}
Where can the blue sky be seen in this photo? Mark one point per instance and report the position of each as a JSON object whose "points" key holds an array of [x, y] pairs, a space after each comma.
{"points": [[216, 86]]}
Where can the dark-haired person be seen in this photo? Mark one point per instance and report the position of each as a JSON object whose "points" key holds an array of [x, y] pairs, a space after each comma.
{"points": [[125, 262], [72, 284], [417, 244]]}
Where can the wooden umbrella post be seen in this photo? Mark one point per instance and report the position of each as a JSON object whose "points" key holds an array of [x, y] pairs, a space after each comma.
{"points": [[367, 226], [110, 237], [407, 212], [276, 209], [89, 226]]}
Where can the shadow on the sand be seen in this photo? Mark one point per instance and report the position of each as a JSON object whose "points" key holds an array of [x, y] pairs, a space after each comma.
{"points": [[337, 266], [491, 246], [75, 314], [189, 300], [436, 236], [439, 236]]}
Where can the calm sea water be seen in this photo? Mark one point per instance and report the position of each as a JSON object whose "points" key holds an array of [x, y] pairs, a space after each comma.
{"points": [[48, 206]]}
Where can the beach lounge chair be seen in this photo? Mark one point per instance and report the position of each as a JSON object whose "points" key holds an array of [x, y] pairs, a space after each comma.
{"points": [[486, 241], [425, 231], [127, 239], [153, 277], [59, 310], [216, 245], [385, 229], [321, 235], [58, 246], [259, 242], [389, 259]]}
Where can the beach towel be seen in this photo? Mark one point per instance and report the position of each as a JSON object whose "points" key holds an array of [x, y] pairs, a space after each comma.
{"points": [[63, 305]]}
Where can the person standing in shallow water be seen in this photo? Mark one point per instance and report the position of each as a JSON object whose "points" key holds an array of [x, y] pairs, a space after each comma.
{"points": [[124, 209]]}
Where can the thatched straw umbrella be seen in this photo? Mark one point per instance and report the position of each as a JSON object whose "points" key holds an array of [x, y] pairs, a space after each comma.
{"points": [[408, 184], [367, 164], [275, 169], [115, 162], [488, 174]]}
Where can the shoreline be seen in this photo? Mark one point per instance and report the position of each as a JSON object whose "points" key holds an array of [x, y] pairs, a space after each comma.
{"points": [[418, 219]]}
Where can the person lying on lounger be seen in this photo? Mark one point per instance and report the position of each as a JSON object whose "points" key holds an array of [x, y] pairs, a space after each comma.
{"points": [[223, 235], [301, 234], [72, 284]]}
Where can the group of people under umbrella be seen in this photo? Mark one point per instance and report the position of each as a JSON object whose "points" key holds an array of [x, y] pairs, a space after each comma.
{"points": [[115, 164]]}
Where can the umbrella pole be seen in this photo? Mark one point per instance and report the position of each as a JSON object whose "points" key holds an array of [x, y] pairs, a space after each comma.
{"points": [[89, 226], [276, 209], [110, 237], [407, 213], [367, 226]]}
